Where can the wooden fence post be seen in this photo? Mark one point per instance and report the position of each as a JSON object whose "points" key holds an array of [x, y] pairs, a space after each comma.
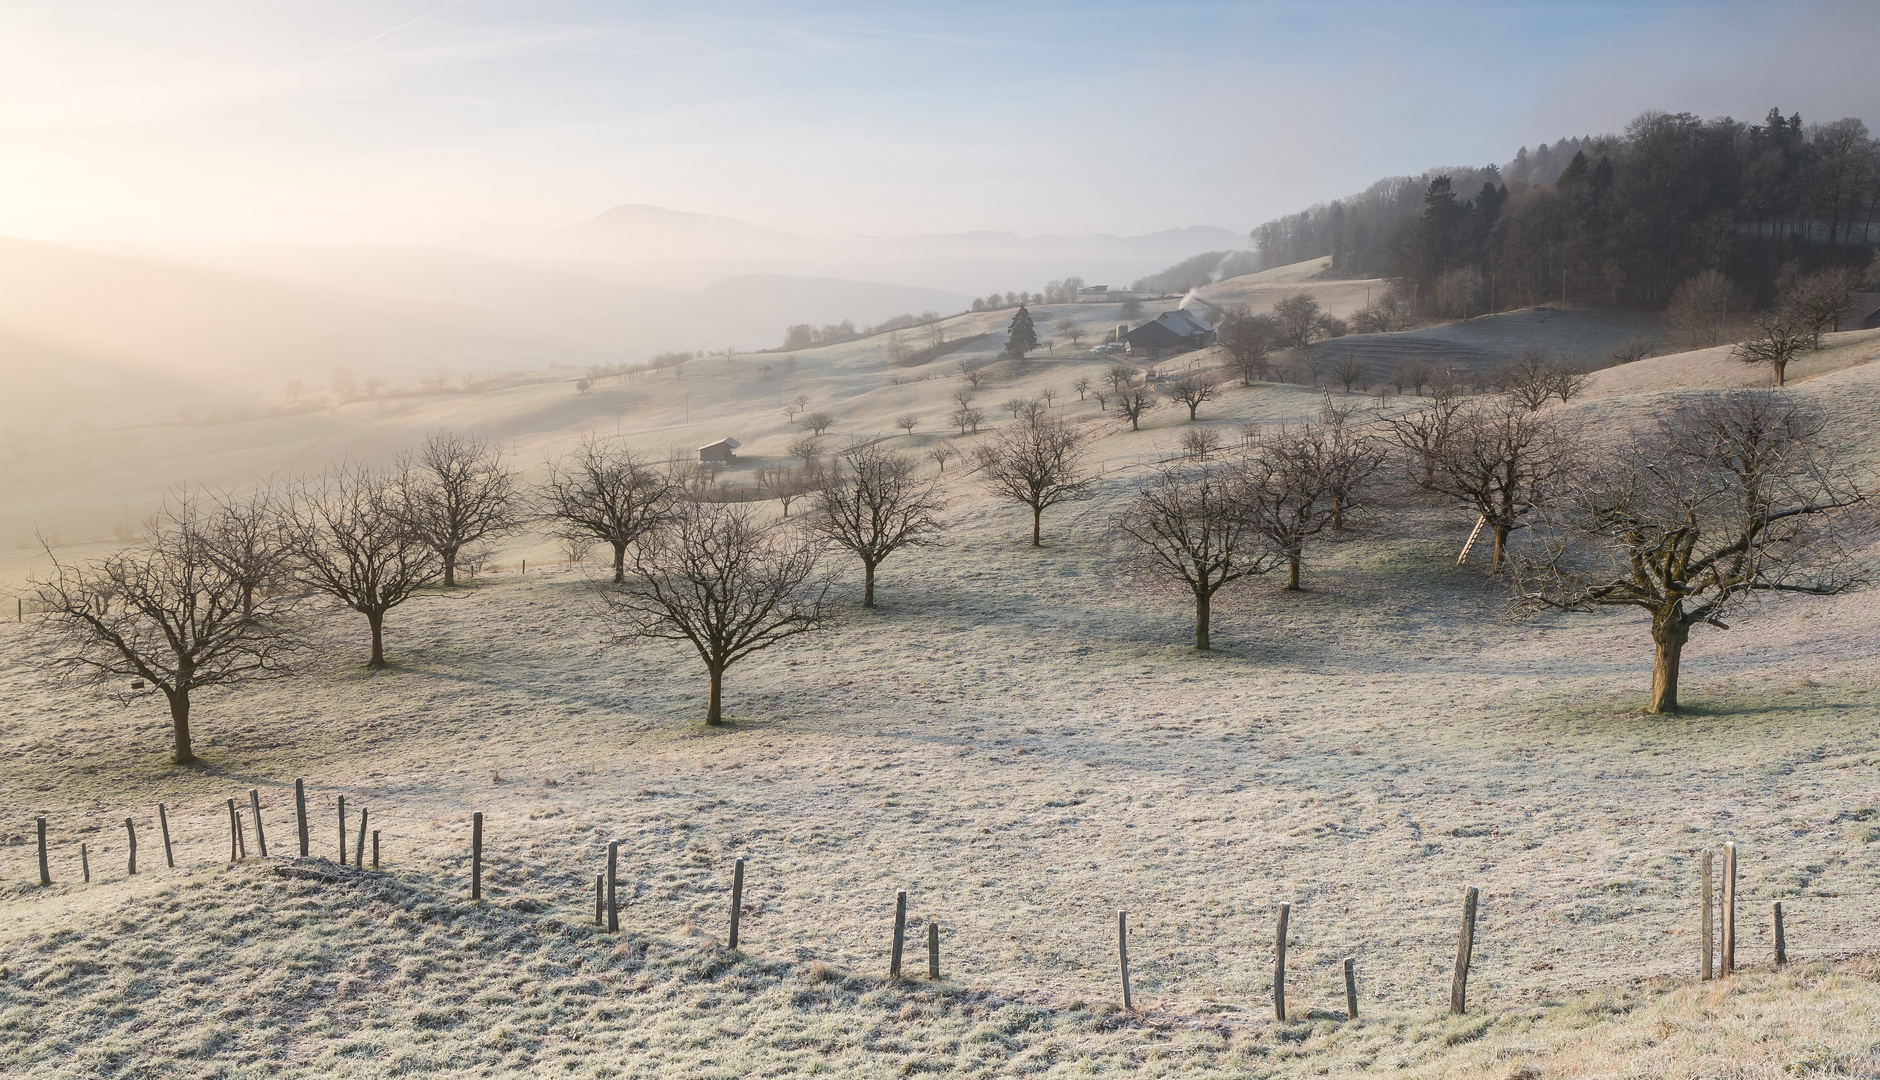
{"points": [[131, 831], [737, 898], [1122, 955], [476, 855], [342, 830], [163, 823], [1709, 933], [261, 837], [1465, 947], [600, 899], [1729, 908], [375, 849], [300, 813], [234, 831], [359, 843], [613, 879], [933, 950], [84, 861], [1782, 943], [900, 933], [45, 873], [1279, 963], [1351, 988]]}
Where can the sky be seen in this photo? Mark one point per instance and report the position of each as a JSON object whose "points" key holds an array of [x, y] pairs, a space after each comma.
{"points": [[339, 121]]}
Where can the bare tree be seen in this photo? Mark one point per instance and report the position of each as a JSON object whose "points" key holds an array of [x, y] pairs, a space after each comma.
{"points": [[1818, 301], [609, 494], [1132, 402], [1039, 463], [938, 454], [1570, 380], [715, 577], [1350, 371], [1249, 341], [1192, 390], [456, 492], [1047, 395], [1351, 460], [1016, 405], [1730, 497], [973, 376], [1501, 461], [1082, 386], [1192, 527], [796, 405], [1071, 331], [805, 448], [246, 539], [1300, 320], [907, 422], [1423, 433], [783, 484], [1776, 342], [1699, 309], [1528, 380], [873, 506], [1121, 376], [1414, 374], [966, 416], [350, 539], [1199, 442], [1287, 492], [166, 610], [816, 423]]}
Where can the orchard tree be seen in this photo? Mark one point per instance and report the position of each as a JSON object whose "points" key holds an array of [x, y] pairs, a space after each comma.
{"points": [[457, 492], [604, 493], [1500, 461], [1038, 463], [350, 539], [1132, 402], [1777, 341], [873, 506], [1192, 391], [816, 423], [1192, 527], [714, 576], [1732, 496], [167, 610]]}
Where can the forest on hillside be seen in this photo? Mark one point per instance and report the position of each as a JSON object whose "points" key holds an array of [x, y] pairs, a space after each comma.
{"points": [[1619, 219]]}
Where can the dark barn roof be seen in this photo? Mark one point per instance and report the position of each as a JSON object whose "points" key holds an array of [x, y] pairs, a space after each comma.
{"points": [[1171, 330]]}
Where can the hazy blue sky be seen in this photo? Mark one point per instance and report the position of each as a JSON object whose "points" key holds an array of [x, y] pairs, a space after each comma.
{"points": [[344, 120]]}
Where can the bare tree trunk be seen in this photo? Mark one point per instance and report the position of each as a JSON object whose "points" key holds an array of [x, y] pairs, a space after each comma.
{"points": [[179, 719], [376, 619], [1292, 571], [620, 562], [714, 714], [450, 568], [1035, 512], [1781, 367], [1670, 649], [1338, 513], [868, 584], [1203, 611], [1501, 545]]}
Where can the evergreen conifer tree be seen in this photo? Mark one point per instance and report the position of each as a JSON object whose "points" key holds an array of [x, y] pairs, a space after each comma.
{"points": [[1024, 336]]}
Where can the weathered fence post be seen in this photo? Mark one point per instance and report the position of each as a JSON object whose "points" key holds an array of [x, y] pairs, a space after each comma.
{"points": [[600, 899], [261, 838], [234, 831], [900, 933], [375, 849], [476, 855], [933, 950], [1782, 943], [1465, 946], [45, 873], [300, 813], [737, 898], [1710, 944], [1729, 908], [359, 843], [342, 830], [84, 861], [613, 879], [1122, 955], [131, 831], [1351, 988], [241, 836], [163, 823], [1279, 963]]}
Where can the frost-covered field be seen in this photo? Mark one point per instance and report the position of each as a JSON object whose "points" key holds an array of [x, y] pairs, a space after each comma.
{"points": [[1021, 740]]}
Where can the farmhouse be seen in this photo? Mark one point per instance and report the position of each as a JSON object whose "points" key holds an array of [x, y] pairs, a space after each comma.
{"points": [[718, 453], [1171, 332]]}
